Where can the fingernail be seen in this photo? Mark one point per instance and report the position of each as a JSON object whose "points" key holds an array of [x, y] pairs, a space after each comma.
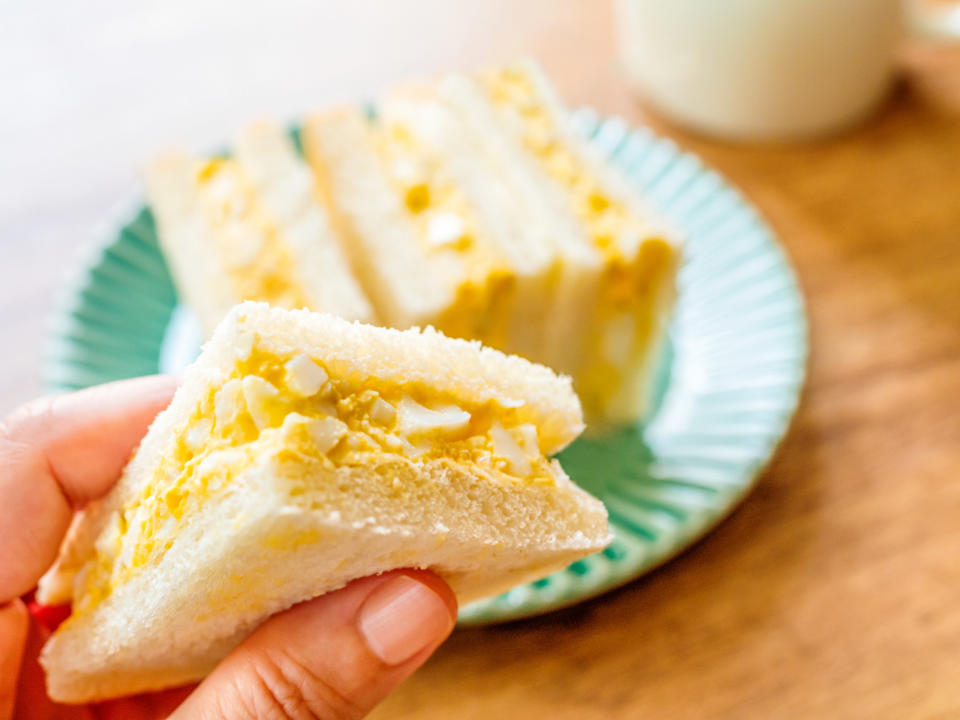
{"points": [[401, 618]]}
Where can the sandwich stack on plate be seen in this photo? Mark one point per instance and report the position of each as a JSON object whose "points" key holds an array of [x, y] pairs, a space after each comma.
{"points": [[468, 203]]}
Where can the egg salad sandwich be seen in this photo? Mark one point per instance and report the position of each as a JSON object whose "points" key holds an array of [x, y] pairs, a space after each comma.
{"points": [[250, 226], [300, 452], [615, 321]]}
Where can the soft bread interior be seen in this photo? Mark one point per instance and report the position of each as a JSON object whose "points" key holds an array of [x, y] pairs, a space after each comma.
{"points": [[251, 227], [185, 238], [280, 472], [404, 285], [285, 186]]}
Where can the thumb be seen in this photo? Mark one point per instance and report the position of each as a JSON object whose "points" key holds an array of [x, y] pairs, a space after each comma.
{"points": [[336, 656]]}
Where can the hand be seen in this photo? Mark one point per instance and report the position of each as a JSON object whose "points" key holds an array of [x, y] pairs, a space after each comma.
{"points": [[333, 657]]}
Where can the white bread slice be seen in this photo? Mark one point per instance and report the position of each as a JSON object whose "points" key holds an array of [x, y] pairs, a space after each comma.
{"points": [[285, 186], [549, 221], [634, 298], [499, 218], [406, 285], [281, 525], [234, 232], [184, 235]]}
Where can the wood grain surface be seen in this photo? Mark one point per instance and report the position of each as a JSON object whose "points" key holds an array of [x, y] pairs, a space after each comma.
{"points": [[834, 591]]}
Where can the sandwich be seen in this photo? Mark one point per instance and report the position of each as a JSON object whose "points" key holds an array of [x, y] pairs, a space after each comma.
{"points": [[250, 226], [300, 452]]}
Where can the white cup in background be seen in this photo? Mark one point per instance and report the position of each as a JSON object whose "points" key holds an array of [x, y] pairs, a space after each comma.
{"points": [[761, 69]]}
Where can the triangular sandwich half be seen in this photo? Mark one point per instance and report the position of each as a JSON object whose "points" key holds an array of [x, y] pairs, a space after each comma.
{"points": [[303, 451]]}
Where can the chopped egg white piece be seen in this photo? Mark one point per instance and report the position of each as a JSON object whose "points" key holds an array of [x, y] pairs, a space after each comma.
{"points": [[413, 451], [415, 419], [304, 376], [243, 346], [198, 433], [109, 541], [528, 439], [445, 229], [382, 412], [257, 393], [325, 432], [228, 402], [511, 403], [505, 446]]}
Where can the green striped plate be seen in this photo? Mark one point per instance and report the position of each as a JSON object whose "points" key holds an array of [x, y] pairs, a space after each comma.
{"points": [[726, 388]]}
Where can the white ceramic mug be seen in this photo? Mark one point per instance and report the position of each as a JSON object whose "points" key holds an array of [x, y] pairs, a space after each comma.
{"points": [[761, 69]]}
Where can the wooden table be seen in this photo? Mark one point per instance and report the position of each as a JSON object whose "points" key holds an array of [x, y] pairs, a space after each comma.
{"points": [[834, 591]]}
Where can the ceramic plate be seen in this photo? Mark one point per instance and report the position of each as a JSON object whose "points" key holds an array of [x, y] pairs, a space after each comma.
{"points": [[727, 384]]}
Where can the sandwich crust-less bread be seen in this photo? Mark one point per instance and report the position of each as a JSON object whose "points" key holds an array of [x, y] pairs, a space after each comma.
{"points": [[490, 209], [250, 227], [547, 221], [633, 296], [303, 451], [184, 235], [405, 284], [286, 187], [428, 256]]}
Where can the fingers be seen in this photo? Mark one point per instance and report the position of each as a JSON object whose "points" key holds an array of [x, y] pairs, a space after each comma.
{"points": [[333, 657], [13, 636], [86, 437], [59, 453]]}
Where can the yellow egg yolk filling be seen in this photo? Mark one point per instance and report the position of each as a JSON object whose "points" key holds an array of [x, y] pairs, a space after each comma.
{"points": [[258, 261], [289, 408]]}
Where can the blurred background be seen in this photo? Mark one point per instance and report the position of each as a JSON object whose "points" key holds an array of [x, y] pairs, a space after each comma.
{"points": [[834, 590]]}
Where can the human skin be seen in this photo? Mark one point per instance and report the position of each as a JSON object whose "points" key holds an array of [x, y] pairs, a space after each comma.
{"points": [[335, 656]]}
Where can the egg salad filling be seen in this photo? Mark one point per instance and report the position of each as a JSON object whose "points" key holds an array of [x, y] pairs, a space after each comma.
{"points": [[249, 244], [446, 224], [290, 408]]}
